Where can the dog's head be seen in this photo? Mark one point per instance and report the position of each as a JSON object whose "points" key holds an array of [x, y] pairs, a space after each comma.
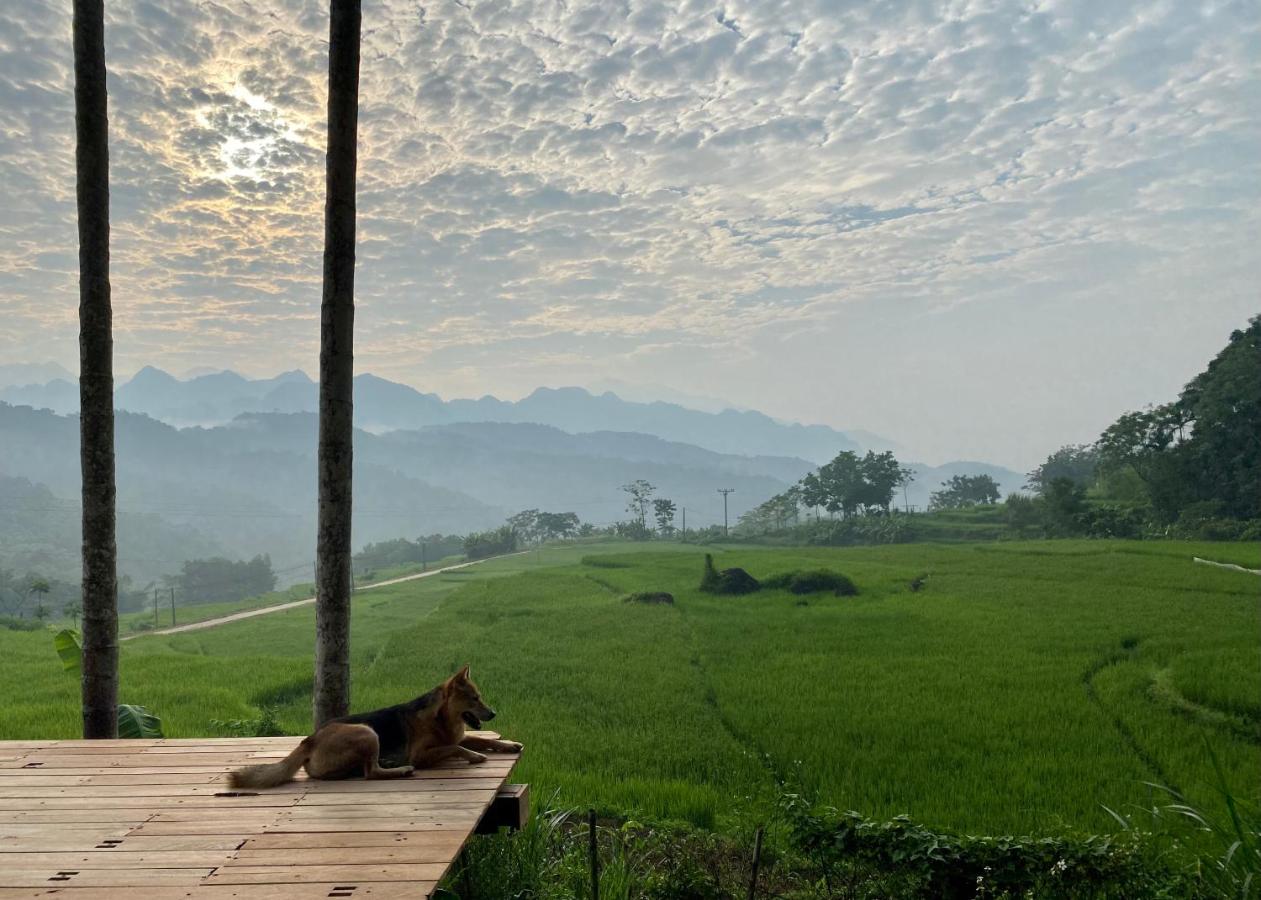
{"points": [[464, 697]]}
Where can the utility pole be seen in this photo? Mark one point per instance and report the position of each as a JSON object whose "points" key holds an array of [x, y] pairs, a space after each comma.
{"points": [[155, 606], [423, 564], [725, 492], [685, 523], [172, 604]]}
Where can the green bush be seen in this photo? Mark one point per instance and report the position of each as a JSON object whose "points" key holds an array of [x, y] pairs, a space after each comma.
{"points": [[937, 864], [14, 624], [813, 582]]}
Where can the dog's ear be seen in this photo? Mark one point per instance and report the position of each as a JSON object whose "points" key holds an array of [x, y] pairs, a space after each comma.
{"points": [[462, 675]]}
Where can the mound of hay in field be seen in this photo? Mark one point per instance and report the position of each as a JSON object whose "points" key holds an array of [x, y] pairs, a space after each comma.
{"points": [[728, 581], [651, 597], [813, 581]]}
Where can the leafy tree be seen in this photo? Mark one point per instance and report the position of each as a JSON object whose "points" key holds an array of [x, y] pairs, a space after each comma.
{"points": [[556, 525], [965, 490], [1023, 513], [640, 492], [881, 474], [1065, 504], [1222, 406], [663, 511], [481, 544], [525, 523], [208, 580], [72, 611], [1078, 463], [842, 483], [813, 494]]}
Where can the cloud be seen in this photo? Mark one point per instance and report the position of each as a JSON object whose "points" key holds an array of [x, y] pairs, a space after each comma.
{"points": [[640, 171]]}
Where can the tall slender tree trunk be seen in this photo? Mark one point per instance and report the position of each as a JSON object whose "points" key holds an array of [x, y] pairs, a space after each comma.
{"points": [[96, 376], [337, 319]]}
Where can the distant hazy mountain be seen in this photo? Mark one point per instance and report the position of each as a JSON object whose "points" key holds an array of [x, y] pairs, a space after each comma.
{"points": [[32, 373], [382, 405], [224, 489]]}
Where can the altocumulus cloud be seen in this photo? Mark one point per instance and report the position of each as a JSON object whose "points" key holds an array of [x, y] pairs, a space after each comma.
{"points": [[556, 183]]}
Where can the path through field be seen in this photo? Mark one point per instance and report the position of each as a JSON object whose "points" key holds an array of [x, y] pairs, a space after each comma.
{"points": [[281, 607]]}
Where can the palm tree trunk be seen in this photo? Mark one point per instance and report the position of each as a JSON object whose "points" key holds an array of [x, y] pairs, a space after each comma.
{"points": [[337, 319], [96, 376]]}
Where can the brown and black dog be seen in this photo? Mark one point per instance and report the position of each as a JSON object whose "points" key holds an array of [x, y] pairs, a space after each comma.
{"points": [[424, 732]]}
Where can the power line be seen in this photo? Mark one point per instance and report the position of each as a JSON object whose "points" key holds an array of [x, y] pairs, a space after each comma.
{"points": [[725, 492]]}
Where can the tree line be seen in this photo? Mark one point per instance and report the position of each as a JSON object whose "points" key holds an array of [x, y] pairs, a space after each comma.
{"points": [[1187, 468]]}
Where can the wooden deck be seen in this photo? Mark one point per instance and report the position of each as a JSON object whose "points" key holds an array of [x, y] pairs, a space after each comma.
{"points": [[153, 819]]}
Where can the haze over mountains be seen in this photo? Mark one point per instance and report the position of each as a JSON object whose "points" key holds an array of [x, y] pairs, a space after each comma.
{"points": [[382, 405], [224, 464]]}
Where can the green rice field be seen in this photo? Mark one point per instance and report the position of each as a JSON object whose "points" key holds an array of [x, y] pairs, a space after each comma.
{"points": [[1024, 687]]}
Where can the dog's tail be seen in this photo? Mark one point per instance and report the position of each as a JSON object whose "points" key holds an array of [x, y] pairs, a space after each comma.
{"points": [[272, 774]]}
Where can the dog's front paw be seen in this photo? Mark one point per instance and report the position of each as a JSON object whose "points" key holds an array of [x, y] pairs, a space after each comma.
{"points": [[510, 746], [408, 770], [476, 759]]}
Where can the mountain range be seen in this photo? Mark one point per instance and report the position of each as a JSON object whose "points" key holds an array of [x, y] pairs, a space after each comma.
{"points": [[222, 464], [382, 405]]}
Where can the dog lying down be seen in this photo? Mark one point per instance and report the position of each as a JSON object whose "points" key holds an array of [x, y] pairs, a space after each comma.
{"points": [[424, 731]]}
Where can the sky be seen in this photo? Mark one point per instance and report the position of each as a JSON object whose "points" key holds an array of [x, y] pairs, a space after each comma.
{"points": [[981, 229]]}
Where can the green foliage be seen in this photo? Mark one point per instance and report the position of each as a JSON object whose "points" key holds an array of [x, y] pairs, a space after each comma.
{"points": [[219, 579], [1205, 446], [402, 552], [266, 725], [13, 624], [663, 510], [965, 490], [69, 650], [929, 863], [481, 544], [812, 581], [1078, 463], [137, 722], [860, 530]]}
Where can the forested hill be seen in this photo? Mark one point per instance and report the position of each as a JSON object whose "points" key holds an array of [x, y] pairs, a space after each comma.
{"points": [[248, 487]]}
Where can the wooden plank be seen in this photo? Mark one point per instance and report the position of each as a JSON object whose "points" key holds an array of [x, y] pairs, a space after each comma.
{"points": [[352, 856], [203, 801], [84, 877], [71, 816], [90, 840], [151, 892], [37, 777], [286, 841], [382, 890], [116, 859], [348, 875], [365, 825]]}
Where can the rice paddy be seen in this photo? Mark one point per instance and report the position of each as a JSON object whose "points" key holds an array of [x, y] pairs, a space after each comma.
{"points": [[1023, 687]]}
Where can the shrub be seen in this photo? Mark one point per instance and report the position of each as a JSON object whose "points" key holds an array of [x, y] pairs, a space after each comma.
{"points": [[813, 582], [13, 624], [941, 864]]}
